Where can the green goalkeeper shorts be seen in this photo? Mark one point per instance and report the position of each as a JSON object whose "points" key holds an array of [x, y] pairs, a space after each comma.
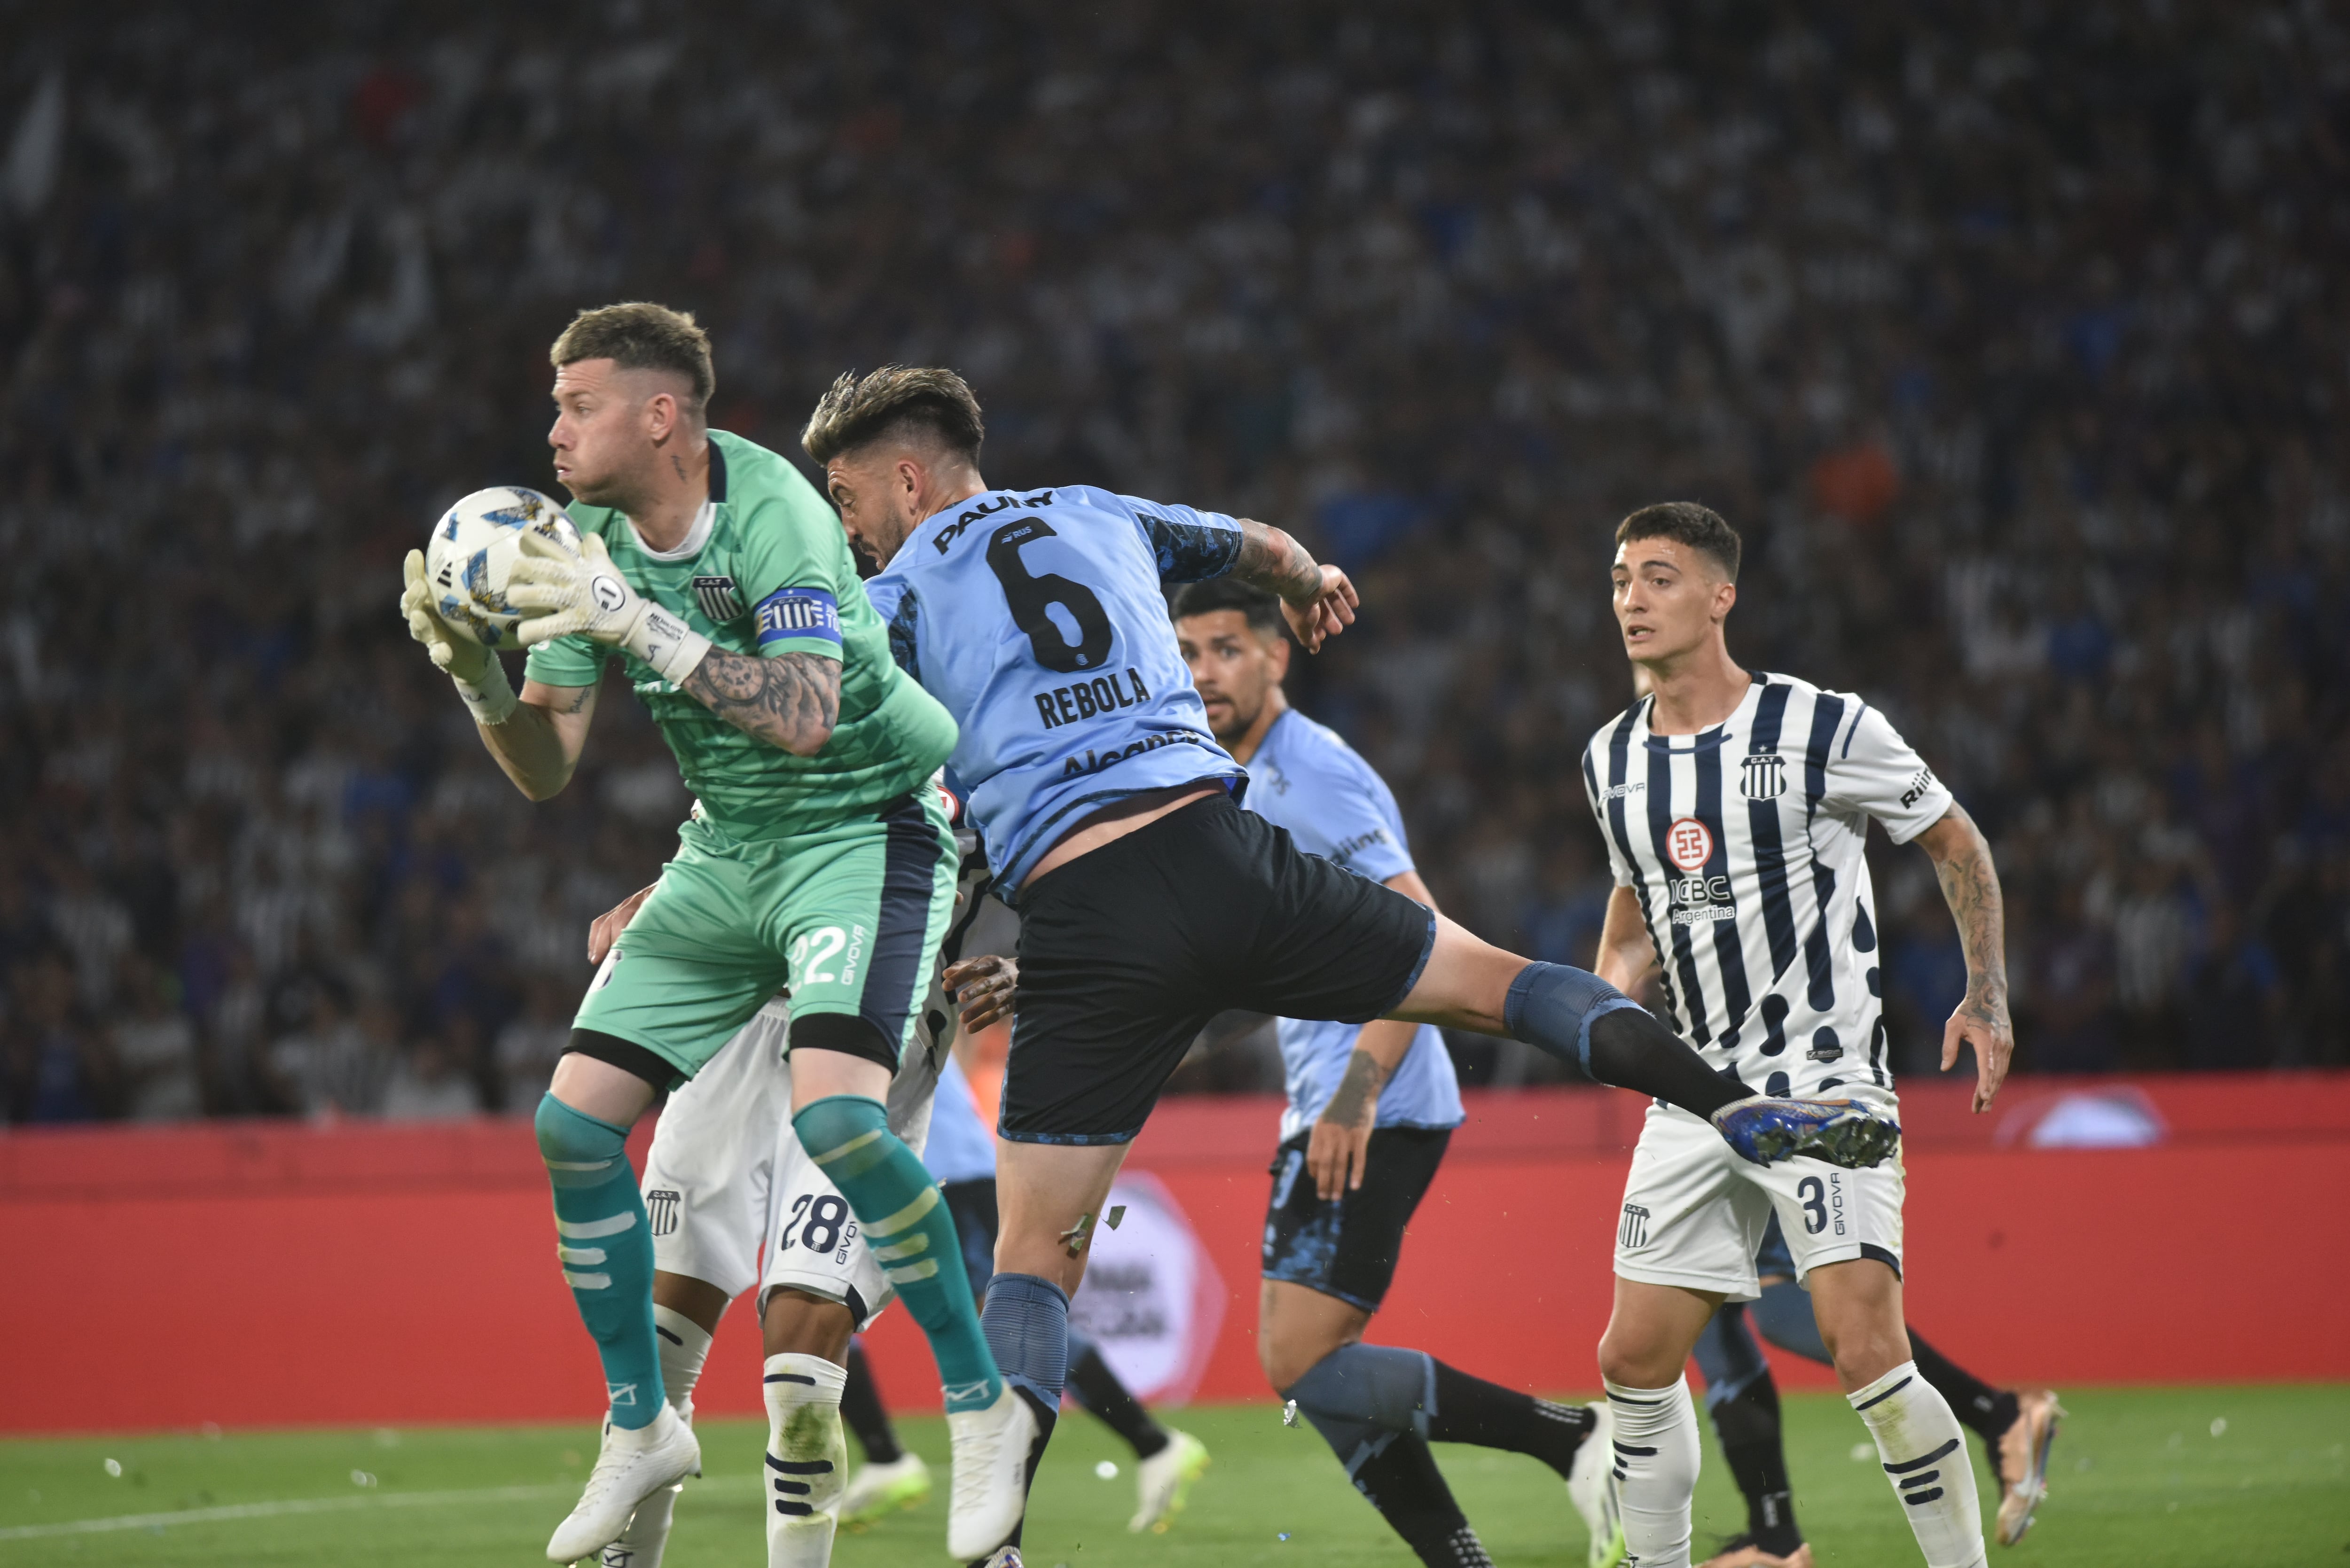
{"points": [[849, 918]]}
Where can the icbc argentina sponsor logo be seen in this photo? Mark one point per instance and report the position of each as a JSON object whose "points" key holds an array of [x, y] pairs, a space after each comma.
{"points": [[1688, 844]]}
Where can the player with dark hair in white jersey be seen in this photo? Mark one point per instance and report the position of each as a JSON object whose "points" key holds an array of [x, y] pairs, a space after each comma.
{"points": [[1736, 809]]}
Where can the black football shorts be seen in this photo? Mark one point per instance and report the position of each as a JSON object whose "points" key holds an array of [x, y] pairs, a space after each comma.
{"points": [[1127, 951]]}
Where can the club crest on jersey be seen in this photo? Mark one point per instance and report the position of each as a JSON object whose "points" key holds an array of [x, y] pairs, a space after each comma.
{"points": [[1688, 844], [719, 599], [1763, 776], [661, 1207]]}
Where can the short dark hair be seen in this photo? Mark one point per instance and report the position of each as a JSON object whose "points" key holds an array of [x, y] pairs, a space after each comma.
{"points": [[639, 336], [1686, 523], [895, 400], [1257, 607]]}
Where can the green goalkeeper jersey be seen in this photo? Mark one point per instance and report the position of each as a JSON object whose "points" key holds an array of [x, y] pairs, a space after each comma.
{"points": [[765, 571]]}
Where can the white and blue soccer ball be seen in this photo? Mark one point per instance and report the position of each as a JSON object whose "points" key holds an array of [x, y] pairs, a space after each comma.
{"points": [[472, 551]]}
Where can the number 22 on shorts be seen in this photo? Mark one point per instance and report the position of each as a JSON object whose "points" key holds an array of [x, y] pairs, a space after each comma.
{"points": [[812, 955]]}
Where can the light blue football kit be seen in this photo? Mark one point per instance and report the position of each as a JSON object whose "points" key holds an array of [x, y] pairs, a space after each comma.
{"points": [[1015, 610], [1306, 779], [961, 1149]]}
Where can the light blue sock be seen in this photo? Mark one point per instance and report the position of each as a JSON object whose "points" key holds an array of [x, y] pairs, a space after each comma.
{"points": [[1361, 1397], [1027, 1321], [912, 1234], [606, 1251]]}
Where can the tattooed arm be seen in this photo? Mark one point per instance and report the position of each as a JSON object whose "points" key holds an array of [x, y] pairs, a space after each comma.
{"points": [[1338, 1149], [791, 703], [1970, 881], [538, 744], [1318, 601]]}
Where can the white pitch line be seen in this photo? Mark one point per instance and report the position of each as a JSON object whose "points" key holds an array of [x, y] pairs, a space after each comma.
{"points": [[275, 1510]]}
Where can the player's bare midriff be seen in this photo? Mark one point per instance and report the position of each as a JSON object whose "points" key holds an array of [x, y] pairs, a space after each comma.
{"points": [[1115, 821]]}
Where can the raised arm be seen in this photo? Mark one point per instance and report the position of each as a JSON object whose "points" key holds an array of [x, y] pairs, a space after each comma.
{"points": [[1318, 601], [1962, 863], [791, 702]]}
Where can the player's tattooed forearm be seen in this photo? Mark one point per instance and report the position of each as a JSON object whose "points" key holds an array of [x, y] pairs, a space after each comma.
{"points": [[1970, 886], [1273, 560], [790, 703], [1358, 1091]]}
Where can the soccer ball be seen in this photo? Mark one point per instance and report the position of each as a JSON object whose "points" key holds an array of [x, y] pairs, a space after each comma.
{"points": [[473, 550]]}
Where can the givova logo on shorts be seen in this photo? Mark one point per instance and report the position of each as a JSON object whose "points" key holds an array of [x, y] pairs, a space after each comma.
{"points": [[1634, 1233]]}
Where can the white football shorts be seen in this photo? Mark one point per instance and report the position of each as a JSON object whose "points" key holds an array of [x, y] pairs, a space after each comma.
{"points": [[1694, 1213], [727, 1183]]}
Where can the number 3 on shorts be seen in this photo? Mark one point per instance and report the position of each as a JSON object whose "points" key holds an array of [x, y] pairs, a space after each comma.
{"points": [[1813, 1194], [809, 955]]}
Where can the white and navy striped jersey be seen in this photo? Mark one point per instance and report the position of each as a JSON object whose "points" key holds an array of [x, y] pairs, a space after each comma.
{"points": [[1743, 845]]}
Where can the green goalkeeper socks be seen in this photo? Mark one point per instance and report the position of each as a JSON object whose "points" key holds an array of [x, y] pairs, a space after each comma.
{"points": [[606, 1251], [906, 1225]]}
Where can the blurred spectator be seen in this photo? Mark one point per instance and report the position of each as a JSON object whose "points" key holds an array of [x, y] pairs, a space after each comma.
{"points": [[428, 1084], [155, 1048], [2009, 336]]}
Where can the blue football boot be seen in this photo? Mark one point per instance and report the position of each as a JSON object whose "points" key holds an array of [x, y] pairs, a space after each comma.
{"points": [[1841, 1132]]}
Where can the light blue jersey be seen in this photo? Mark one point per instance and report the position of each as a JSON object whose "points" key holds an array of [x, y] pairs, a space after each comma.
{"points": [[960, 1147], [1307, 780], [1040, 622]]}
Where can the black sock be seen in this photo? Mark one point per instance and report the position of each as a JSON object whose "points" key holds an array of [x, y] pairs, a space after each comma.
{"points": [[1748, 1426], [1990, 1411], [1099, 1391], [1471, 1410], [1401, 1482], [860, 1407], [1631, 1050]]}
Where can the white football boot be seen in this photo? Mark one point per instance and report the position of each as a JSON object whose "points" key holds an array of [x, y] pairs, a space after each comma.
{"points": [[1164, 1481], [632, 1466], [876, 1490], [1590, 1486], [641, 1544], [989, 1490]]}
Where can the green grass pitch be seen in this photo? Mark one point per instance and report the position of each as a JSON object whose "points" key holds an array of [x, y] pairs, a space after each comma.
{"points": [[2141, 1478]]}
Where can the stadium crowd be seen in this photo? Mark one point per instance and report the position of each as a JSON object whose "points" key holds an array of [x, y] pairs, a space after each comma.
{"points": [[2011, 336]]}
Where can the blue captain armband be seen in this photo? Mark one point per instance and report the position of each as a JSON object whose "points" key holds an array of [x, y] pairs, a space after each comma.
{"points": [[789, 614]]}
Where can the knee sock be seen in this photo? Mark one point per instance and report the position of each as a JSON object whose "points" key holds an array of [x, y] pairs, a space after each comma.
{"points": [[1471, 1410], [1656, 1470], [1990, 1411], [1924, 1455], [1578, 1017], [1784, 1316], [861, 1408], [808, 1459], [1098, 1388], [1401, 1482], [912, 1234], [1027, 1324], [684, 1346], [1360, 1397], [1744, 1405], [606, 1251]]}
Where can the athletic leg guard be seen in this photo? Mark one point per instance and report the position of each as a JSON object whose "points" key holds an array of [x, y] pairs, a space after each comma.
{"points": [[1656, 1470], [912, 1234], [1027, 1324], [1361, 1397], [1926, 1458], [1580, 1017], [606, 1251], [808, 1459], [1551, 1006]]}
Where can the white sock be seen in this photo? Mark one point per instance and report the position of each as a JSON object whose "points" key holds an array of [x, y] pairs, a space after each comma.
{"points": [[808, 1459], [1926, 1458], [1656, 1471], [684, 1345]]}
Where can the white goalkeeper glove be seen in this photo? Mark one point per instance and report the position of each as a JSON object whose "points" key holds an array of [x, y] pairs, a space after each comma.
{"points": [[586, 595], [481, 679]]}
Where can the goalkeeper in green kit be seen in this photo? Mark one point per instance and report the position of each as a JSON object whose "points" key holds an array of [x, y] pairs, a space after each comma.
{"points": [[817, 857]]}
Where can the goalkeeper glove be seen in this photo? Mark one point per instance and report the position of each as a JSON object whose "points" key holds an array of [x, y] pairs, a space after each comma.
{"points": [[481, 679], [586, 595]]}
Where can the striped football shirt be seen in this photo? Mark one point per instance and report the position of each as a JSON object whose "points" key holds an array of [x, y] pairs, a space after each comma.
{"points": [[1743, 845]]}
